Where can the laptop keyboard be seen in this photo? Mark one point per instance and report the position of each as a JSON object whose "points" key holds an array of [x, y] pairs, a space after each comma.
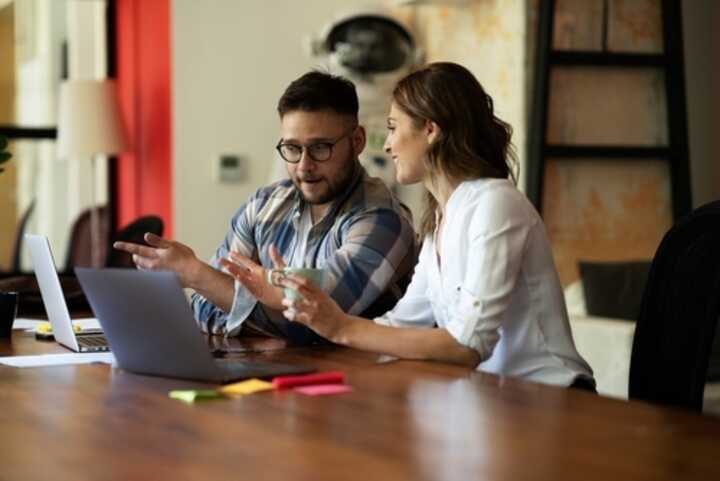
{"points": [[92, 341], [233, 365]]}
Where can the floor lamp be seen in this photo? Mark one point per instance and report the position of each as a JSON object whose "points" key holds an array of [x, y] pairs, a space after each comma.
{"points": [[89, 125]]}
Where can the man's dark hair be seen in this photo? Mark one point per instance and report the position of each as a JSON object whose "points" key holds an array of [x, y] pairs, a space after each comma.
{"points": [[316, 91]]}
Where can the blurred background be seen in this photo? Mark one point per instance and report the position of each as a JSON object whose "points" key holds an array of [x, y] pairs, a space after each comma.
{"points": [[197, 86]]}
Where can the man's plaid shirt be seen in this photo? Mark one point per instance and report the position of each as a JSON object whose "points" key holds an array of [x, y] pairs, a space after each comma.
{"points": [[365, 243]]}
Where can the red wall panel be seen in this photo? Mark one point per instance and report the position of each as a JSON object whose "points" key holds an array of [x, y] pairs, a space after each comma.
{"points": [[145, 89]]}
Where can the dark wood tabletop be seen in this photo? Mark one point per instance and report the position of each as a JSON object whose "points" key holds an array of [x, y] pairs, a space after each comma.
{"points": [[403, 421]]}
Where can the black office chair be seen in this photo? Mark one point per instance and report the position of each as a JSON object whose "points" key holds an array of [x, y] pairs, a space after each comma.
{"points": [[679, 314], [79, 250], [133, 232]]}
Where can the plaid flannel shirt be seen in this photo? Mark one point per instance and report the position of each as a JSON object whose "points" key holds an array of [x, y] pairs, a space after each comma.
{"points": [[365, 243]]}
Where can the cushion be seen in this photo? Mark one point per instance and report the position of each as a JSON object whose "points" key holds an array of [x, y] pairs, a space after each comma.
{"points": [[575, 299], [606, 344], [614, 289]]}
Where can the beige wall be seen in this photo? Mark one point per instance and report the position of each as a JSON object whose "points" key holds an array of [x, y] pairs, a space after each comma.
{"points": [[701, 79], [232, 60]]}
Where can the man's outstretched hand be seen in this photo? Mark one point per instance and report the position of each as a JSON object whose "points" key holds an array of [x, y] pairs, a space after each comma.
{"points": [[164, 255]]}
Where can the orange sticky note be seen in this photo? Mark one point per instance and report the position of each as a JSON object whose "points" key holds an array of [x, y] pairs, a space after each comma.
{"points": [[246, 387]]}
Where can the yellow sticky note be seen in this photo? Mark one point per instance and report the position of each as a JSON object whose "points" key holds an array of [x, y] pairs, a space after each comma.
{"points": [[246, 387], [44, 328]]}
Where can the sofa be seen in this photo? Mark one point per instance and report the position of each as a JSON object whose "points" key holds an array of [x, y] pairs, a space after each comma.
{"points": [[606, 344]]}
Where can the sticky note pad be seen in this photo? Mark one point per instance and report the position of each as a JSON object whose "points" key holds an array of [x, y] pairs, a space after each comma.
{"points": [[191, 395], [323, 389], [44, 328], [330, 377], [246, 387]]}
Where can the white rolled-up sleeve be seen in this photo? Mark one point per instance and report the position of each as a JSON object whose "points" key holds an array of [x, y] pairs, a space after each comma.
{"points": [[495, 245]]}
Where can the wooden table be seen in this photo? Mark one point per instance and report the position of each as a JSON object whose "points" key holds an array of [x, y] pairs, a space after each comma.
{"points": [[404, 420]]}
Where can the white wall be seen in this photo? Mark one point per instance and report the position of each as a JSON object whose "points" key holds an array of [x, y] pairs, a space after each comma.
{"points": [[231, 62], [701, 86]]}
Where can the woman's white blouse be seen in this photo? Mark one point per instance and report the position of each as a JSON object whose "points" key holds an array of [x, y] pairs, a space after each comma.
{"points": [[495, 288]]}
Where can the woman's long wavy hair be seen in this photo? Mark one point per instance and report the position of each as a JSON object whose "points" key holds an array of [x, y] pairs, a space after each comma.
{"points": [[473, 143]]}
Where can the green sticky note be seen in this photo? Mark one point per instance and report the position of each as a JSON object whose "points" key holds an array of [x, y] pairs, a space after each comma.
{"points": [[191, 395]]}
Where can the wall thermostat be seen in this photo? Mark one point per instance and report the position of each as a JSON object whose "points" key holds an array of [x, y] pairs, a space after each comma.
{"points": [[231, 168]]}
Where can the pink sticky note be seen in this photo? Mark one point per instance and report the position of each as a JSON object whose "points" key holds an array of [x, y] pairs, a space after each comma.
{"points": [[323, 389]]}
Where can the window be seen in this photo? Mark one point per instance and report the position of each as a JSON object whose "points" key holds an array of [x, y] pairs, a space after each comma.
{"points": [[43, 42]]}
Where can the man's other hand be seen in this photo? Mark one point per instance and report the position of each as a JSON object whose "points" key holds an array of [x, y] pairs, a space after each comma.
{"points": [[254, 277]]}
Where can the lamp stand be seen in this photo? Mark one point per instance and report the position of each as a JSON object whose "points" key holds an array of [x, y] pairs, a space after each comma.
{"points": [[95, 233]]}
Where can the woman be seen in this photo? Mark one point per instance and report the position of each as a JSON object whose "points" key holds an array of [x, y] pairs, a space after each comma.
{"points": [[485, 276]]}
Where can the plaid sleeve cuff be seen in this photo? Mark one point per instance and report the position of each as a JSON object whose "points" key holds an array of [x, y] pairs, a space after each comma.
{"points": [[243, 305]]}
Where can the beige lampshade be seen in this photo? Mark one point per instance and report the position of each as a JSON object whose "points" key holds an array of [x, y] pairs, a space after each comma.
{"points": [[89, 119]]}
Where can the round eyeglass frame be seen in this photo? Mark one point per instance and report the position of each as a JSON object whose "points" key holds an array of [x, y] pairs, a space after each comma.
{"points": [[308, 148]]}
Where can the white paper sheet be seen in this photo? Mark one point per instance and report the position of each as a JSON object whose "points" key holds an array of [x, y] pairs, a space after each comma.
{"points": [[45, 360], [22, 323]]}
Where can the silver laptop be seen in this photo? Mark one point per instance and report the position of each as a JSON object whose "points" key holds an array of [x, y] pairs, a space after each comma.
{"points": [[54, 301], [146, 317]]}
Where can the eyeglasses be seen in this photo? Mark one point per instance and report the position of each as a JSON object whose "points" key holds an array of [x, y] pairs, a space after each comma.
{"points": [[319, 152]]}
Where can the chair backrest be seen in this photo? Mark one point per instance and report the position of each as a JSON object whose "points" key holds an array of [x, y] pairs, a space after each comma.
{"points": [[79, 253], [133, 232], [679, 314], [79, 249]]}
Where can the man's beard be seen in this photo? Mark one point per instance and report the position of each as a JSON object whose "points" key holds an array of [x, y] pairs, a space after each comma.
{"points": [[334, 189]]}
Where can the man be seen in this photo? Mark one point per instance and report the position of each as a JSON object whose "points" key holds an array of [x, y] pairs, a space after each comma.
{"points": [[329, 214]]}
